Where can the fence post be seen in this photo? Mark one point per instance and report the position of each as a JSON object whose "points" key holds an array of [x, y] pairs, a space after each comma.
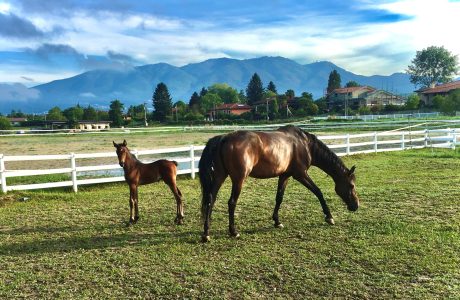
{"points": [[73, 166], [192, 161], [375, 141], [2, 174], [348, 143], [454, 138], [426, 138], [402, 141]]}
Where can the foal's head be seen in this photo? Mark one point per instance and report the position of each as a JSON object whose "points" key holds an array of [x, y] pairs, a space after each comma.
{"points": [[122, 152], [345, 188]]}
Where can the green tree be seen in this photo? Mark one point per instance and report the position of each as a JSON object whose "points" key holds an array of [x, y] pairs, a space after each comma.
{"points": [[73, 114], [438, 101], [413, 102], [5, 124], [334, 81], [290, 94], [55, 114], [271, 87], [322, 105], [90, 113], [225, 92], [352, 83], [254, 90], [242, 97], [116, 113], [194, 102], [162, 102], [451, 104], [137, 112], [210, 101], [432, 65]]}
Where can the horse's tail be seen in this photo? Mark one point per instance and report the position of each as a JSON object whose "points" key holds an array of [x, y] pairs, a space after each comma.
{"points": [[206, 171]]}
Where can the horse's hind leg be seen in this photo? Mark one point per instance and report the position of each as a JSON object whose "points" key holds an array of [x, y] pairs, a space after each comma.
{"points": [[282, 182], [218, 181], [236, 190]]}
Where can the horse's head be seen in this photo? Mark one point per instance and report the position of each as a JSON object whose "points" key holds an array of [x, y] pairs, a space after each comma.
{"points": [[122, 152], [345, 188]]}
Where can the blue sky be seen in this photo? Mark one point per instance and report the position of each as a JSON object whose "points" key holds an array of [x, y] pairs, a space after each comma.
{"points": [[47, 40]]}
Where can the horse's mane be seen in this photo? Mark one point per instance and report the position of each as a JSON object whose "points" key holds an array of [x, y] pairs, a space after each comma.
{"points": [[321, 153]]}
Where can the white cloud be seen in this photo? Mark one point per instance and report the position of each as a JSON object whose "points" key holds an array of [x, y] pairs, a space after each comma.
{"points": [[372, 48]]}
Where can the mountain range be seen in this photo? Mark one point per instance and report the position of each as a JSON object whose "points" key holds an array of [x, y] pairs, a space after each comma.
{"points": [[136, 85]]}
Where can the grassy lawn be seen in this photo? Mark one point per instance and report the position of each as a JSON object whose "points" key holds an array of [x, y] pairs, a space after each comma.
{"points": [[403, 242]]}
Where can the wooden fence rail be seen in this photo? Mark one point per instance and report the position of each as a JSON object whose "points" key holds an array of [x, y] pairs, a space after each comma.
{"points": [[347, 144]]}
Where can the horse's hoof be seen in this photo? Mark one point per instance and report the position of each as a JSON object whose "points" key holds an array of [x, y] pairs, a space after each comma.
{"points": [[280, 226], [235, 235], [330, 221], [179, 221], [205, 239]]}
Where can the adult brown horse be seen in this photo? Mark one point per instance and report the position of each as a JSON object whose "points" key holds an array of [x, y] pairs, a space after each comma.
{"points": [[138, 173], [286, 152]]}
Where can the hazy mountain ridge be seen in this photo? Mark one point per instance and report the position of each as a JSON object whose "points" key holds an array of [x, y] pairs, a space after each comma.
{"points": [[135, 86]]}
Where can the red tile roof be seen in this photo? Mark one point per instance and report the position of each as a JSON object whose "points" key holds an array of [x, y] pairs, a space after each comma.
{"points": [[442, 88], [233, 106]]}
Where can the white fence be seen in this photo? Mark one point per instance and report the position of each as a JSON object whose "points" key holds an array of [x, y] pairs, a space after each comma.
{"points": [[341, 144]]}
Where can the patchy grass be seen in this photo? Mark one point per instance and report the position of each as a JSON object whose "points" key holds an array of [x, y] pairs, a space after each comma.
{"points": [[403, 242]]}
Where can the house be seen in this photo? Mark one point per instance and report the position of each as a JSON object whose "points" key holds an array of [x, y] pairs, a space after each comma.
{"points": [[360, 96], [93, 125], [427, 94], [230, 109], [17, 121]]}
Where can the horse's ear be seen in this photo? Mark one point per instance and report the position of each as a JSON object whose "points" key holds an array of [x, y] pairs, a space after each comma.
{"points": [[352, 170], [114, 144], [124, 143]]}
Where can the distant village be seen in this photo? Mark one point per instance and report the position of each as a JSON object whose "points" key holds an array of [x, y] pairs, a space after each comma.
{"points": [[221, 103]]}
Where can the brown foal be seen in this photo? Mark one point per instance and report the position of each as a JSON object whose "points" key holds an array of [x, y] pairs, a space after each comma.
{"points": [[138, 173]]}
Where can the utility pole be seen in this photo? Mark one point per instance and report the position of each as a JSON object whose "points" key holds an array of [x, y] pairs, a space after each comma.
{"points": [[145, 115], [266, 106]]}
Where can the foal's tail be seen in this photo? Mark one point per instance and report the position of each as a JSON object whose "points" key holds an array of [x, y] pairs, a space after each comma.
{"points": [[206, 170]]}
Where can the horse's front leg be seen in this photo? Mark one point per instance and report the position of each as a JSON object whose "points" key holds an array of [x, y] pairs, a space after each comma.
{"points": [[236, 190], [133, 209], [309, 184], [136, 204], [282, 182]]}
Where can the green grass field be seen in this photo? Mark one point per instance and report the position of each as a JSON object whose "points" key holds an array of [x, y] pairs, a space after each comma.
{"points": [[403, 242]]}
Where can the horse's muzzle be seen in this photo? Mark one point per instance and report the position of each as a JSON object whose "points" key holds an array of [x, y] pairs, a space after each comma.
{"points": [[122, 164], [353, 207]]}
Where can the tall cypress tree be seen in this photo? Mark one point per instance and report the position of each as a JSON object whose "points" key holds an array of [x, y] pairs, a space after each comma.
{"points": [[334, 81], [116, 112], [194, 102], [272, 87], [255, 90], [162, 102]]}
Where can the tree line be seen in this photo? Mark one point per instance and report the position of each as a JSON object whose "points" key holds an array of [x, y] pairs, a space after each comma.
{"points": [[430, 66]]}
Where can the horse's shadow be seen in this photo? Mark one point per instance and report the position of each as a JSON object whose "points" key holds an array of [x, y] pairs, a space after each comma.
{"points": [[70, 238]]}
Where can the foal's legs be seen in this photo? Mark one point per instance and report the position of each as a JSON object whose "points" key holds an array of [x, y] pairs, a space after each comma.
{"points": [[133, 204], [282, 182], [237, 184], [171, 182], [308, 183]]}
